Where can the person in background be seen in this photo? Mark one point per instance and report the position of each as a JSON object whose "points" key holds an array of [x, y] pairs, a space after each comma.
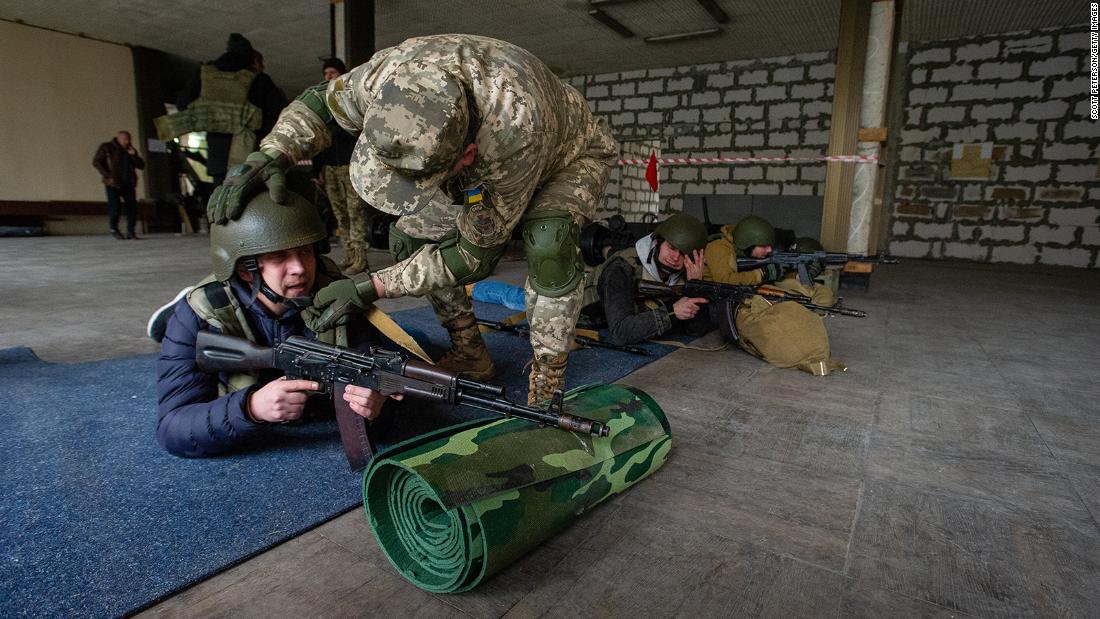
{"points": [[333, 167], [228, 92], [118, 162]]}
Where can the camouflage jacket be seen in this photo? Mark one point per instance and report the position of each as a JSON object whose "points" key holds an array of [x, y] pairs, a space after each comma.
{"points": [[533, 126]]}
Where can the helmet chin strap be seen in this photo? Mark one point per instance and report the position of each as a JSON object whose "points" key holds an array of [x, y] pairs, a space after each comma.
{"points": [[259, 286]]}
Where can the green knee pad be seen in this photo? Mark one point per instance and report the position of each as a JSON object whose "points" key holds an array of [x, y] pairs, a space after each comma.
{"points": [[403, 245], [554, 264], [456, 251]]}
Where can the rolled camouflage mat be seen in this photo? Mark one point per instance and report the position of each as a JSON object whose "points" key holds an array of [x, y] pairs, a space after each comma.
{"points": [[453, 507]]}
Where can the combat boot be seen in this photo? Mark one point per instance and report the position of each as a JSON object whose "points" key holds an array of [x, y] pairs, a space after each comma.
{"points": [[357, 260], [547, 376], [468, 354]]}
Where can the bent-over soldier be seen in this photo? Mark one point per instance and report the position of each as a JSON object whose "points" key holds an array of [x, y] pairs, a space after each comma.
{"points": [[464, 138]]}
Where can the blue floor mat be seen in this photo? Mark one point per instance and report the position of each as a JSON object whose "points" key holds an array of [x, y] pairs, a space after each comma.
{"points": [[96, 520]]}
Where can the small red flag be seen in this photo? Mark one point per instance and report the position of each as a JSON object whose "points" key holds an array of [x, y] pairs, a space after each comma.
{"points": [[651, 171]]}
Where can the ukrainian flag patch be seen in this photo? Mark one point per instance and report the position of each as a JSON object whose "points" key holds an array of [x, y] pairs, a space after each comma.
{"points": [[474, 196]]}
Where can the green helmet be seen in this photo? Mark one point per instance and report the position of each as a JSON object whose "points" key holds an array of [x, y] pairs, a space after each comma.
{"points": [[751, 231], [806, 244], [683, 232], [265, 226]]}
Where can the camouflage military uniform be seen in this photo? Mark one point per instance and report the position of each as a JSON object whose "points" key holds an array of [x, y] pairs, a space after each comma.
{"points": [[353, 215], [785, 335], [539, 150]]}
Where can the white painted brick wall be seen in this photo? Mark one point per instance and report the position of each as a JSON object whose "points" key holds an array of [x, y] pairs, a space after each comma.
{"points": [[933, 231], [965, 251], [924, 96], [1014, 234], [1020, 90], [1017, 131], [1000, 70], [910, 249], [987, 112], [942, 54], [978, 51], [808, 91], [1044, 110], [969, 92], [1073, 41], [1056, 235], [941, 114], [720, 81], [953, 73], [1076, 173], [1059, 65], [1019, 254], [1032, 173], [771, 93], [967, 134], [1070, 88], [1065, 257], [790, 74], [1081, 216], [1083, 129], [1036, 45], [753, 77]]}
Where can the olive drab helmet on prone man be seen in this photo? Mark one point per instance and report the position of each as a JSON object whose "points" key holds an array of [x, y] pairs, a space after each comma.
{"points": [[266, 226], [752, 231], [684, 232]]}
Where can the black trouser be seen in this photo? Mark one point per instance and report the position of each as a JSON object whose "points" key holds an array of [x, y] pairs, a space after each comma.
{"points": [[126, 194]]}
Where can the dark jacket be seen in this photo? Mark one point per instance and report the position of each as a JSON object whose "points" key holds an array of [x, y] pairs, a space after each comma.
{"points": [[338, 153], [116, 166], [192, 419], [631, 322]]}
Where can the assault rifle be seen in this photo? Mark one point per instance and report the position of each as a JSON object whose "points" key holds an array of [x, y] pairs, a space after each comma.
{"points": [[737, 293], [734, 294], [385, 371], [582, 340], [800, 261]]}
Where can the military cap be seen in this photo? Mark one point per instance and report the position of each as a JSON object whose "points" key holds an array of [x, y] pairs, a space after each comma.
{"points": [[413, 133]]}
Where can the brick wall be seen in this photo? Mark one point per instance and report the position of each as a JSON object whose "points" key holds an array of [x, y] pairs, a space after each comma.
{"points": [[764, 107], [1026, 93]]}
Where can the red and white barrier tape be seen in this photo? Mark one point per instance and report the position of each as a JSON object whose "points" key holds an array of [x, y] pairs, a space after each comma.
{"points": [[698, 160]]}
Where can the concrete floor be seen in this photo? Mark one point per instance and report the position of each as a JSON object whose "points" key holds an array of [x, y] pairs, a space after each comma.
{"points": [[953, 470]]}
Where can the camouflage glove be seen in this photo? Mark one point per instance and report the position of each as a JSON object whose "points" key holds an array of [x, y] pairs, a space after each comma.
{"points": [[771, 272], [245, 181], [334, 303]]}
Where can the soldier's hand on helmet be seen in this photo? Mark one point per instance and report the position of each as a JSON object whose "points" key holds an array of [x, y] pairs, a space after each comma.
{"points": [[688, 307], [693, 264], [771, 272], [280, 400], [366, 402], [334, 303], [246, 180]]}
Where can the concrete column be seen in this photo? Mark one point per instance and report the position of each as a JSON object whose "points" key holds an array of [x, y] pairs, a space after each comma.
{"points": [[866, 187], [851, 55], [358, 31]]}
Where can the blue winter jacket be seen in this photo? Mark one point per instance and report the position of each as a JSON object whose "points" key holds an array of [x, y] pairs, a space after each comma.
{"points": [[192, 419]]}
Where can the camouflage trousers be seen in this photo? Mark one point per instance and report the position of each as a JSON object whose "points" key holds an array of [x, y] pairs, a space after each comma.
{"points": [[576, 188], [353, 214]]}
